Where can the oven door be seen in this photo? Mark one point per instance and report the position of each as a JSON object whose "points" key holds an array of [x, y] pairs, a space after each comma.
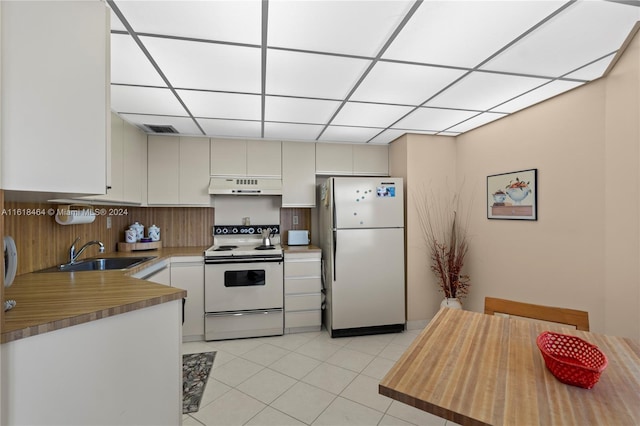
{"points": [[243, 286]]}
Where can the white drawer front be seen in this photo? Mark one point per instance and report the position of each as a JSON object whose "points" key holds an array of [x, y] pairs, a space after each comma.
{"points": [[253, 324], [302, 269], [302, 285], [302, 302], [303, 319]]}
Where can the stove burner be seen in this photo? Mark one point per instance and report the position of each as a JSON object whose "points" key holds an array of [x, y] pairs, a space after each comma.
{"points": [[225, 248], [265, 247]]}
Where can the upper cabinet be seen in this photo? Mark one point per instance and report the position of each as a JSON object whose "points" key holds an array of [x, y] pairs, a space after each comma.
{"points": [[54, 96], [128, 164], [178, 171], [238, 157], [298, 174], [350, 159]]}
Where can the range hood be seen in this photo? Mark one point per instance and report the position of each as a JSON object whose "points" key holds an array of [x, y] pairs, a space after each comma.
{"points": [[245, 186]]}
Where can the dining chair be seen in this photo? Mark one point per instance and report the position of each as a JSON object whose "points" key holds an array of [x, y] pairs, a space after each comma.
{"points": [[576, 318]]}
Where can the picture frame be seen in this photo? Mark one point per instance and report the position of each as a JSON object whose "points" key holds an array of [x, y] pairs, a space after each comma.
{"points": [[513, 195]]}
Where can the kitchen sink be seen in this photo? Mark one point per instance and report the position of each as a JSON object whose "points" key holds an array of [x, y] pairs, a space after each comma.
{"points": [[99, 264]]}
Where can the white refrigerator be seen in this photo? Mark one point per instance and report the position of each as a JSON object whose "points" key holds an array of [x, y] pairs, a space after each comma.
{"points": [[362, 238]]}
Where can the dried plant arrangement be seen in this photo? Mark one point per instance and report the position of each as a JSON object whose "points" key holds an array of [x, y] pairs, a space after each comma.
{"points": [[444, 227]]}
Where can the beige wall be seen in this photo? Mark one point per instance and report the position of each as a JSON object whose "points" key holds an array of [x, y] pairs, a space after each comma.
{"points": [[583, 252]]}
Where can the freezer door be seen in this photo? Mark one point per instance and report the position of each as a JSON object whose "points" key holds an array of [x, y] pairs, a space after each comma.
{"points": [[369, 285], [368, 202]]}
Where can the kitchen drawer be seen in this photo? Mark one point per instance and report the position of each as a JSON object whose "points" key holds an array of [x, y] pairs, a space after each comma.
{"points": [[248, 324], [303, 319], [302, 302], [302, 285], [302, 268]]}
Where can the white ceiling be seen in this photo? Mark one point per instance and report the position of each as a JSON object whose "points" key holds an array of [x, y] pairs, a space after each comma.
{"points": [[352, 71]]}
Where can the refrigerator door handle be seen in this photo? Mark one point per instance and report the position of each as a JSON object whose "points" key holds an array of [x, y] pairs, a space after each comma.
{"points": [[335, 247]]}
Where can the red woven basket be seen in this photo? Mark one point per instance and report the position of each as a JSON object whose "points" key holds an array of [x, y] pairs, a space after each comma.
{"points": [[572, 360]]}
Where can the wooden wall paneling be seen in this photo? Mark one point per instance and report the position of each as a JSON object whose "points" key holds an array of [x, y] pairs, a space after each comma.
{"points": [[286, 221], [41, 242]]}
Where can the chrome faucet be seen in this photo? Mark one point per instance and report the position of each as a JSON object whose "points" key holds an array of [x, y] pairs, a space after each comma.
{"points": [[73, 255]]}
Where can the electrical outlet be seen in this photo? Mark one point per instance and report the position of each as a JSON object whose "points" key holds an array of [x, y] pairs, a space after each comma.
{"points": [[295, 220], [108, 222]]}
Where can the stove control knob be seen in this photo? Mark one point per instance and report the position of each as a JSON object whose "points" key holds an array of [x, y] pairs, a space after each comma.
{"points": [[225, 230], [259, 230], [234, 230], [251, 230]]}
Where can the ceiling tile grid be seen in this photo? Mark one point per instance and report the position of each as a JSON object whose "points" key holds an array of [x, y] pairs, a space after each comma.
{"points": [[353, 70]]}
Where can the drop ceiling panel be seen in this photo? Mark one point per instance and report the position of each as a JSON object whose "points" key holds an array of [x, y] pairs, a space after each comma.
{"points": [[232, 21], [184, 125], [477, 121], [348, 134], [299, 110], [464, 33], [587, 31], [231, 128], [404, 84], [432, 119], [545, 92], [129, 65], [195, 65], [222, 105], [289, 131], [481, 91], [387, 136], [311, 75], [145, 100], [349, 27], [371, 115], [592, 71]]}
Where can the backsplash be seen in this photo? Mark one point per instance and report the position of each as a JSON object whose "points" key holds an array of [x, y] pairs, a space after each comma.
{"points": [[42, 243]]}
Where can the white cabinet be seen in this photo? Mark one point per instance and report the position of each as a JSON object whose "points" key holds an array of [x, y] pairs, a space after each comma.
{"points": [[178, 171], [55, 103], [352, 159], [160, 276], [239, 157], [128, 164], [334, 159], [302, 291], [371, 160], [189, 275], [298, 174]]}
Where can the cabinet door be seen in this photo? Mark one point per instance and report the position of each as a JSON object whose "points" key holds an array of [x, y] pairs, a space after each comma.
{"points": [[163, 276], [228, 157], [55, 110], [334, 159], [264, 158], [194, 171], [115, 167], [371, 160], [298, 174], [190, 277], [163, 154], [135, 163]]}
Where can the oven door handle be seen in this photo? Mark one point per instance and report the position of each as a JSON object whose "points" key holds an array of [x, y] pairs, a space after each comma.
{"points": [[243, 313], [240, 260]]}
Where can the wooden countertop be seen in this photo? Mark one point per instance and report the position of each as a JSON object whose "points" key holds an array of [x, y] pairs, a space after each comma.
{"points": [[477, 369], [301, 249], [51, 301]]}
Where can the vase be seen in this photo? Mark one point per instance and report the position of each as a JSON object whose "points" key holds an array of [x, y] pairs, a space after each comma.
{"points": [[451, 302]]}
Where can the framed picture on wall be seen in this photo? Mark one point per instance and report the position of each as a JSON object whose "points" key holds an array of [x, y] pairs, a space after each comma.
{"points": [[513, 195]]}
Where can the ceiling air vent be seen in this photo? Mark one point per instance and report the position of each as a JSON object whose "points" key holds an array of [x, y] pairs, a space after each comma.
{"points": [[157, 128]]}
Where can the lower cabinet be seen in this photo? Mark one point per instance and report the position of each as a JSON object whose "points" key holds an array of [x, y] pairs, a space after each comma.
{"points": [[189, 275], [302, 291]]}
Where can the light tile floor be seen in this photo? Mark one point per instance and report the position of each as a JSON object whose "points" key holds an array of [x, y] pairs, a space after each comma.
{"points": [[304, 379]]}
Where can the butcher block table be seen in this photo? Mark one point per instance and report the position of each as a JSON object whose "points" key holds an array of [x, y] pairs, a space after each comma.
{"points": [[477, 369]]}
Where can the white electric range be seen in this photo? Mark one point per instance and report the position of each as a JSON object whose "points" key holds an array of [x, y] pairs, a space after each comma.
{"points": [[244, 283]]}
